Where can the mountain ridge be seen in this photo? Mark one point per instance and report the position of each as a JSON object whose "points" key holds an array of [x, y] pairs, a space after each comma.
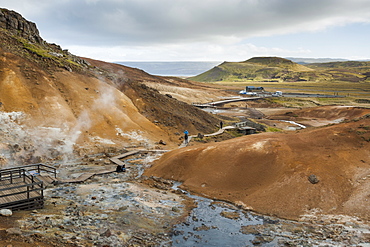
{"points": [[69, 104], [276, 69]]}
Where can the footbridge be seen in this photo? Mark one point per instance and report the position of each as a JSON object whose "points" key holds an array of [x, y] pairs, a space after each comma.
{"points": [[225, 101]]}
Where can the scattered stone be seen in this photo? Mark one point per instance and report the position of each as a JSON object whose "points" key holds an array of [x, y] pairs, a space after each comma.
{"points": [[200, 136], [313, 179], [251, 229], [6, 212], [14, 231], [230, 215], [162, 142], [202, 228], [258, 240], [107, 233], [175, 209]]}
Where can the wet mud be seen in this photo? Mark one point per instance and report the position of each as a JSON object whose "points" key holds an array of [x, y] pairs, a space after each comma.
{"points": [[128, 209], [218, 223]]}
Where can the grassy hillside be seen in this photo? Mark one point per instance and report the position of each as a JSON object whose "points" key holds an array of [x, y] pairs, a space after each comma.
{"points": [[275, 69]]}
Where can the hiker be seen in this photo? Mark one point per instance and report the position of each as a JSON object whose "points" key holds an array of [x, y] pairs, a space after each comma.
{"points": [[186, 136], [120, 168], [221, 123]]}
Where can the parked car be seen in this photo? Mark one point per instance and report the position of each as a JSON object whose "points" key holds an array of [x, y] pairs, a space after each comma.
{"points": [[277, 94], [248, 93]]}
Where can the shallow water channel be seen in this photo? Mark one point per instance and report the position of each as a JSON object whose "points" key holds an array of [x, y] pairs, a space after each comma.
{"points": [[213, 224], [116, 210], [218, 223]]}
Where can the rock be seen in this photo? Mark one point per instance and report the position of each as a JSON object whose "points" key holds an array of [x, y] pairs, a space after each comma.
{"points": [[200, 136], [175, 209], [14, 231], [6, 212], [107, 233], [252, 229], [16, 24], [313, 179], [230, 215], [162, 142], [202, 228]]}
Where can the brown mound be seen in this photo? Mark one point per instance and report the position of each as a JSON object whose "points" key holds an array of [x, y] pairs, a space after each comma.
{"points": [[70, 101], [322, 115], [269, 172], [167, 112], [333, 112]]}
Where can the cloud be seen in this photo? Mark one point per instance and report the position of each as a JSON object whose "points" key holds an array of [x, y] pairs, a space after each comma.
{"points": [[143, 22], [185, 52], [114, 30]]}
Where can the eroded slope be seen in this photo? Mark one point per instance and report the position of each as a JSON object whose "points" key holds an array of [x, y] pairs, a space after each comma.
{"points": [[269, 172]]}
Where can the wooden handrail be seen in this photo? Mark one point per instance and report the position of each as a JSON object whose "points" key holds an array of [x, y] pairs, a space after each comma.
{"points": [[19, 183], [32, 167]]}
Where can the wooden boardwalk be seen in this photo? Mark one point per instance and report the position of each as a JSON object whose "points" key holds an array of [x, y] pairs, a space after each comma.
{"points": [[85, 176], [21, 193], [225, 101], [15, 191], [117, 159], [21, 188], [218, 132]]}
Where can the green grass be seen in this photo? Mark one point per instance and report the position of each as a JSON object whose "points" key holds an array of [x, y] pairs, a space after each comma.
{"points": [[357, 94], [44, 51], [277, 69], [272, 129], [36, 49]]}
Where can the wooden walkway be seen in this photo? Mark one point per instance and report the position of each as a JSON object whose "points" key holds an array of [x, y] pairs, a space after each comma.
{"points": [[85, 176], [19, 190], [225, 101], [16, 191], [218, 132], [117, 159]]}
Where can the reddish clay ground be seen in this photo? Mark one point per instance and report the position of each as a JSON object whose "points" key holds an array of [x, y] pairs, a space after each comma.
{"points": [[269, 172]]}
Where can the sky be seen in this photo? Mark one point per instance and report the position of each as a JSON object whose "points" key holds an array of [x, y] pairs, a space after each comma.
{"points": [[202, 30]]}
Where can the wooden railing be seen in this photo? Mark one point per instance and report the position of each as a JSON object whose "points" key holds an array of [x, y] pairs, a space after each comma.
{"points": [[21, 189], [19, 180], [32, 169]]}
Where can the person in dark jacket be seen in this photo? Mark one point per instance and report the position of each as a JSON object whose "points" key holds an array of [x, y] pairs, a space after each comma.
{"points": [[186, 136]]}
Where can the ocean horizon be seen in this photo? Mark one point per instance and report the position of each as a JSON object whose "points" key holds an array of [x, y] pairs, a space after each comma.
{"points": [[170, 68]]}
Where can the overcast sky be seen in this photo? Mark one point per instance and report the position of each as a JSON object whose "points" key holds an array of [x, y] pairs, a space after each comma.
{"points": [[202, 30]]}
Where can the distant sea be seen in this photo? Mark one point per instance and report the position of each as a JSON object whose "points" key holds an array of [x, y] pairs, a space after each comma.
{"points": [[179, 69]]}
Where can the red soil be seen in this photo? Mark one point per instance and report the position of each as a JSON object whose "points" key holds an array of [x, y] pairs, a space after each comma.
{"points": [[269, 172]]}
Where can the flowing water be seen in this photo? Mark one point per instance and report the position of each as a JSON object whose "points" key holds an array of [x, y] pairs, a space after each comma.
{"points": [[217, 223]]}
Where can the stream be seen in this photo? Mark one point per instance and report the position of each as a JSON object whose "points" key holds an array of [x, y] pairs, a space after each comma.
{"points": [[218, 223], [117, 209]]}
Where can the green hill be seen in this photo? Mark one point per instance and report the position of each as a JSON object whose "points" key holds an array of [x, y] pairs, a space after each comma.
{"points": [[276, 69]]}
